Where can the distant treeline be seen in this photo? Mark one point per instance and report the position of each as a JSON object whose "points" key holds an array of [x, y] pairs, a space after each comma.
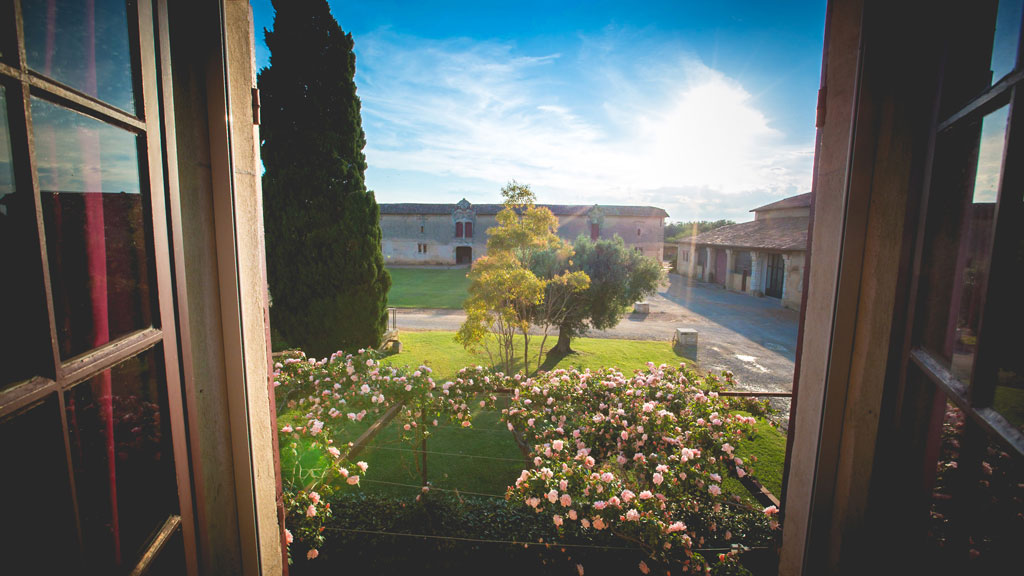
{"points": [[678, 230]]}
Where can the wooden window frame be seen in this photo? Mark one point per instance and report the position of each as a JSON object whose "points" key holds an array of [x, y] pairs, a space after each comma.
{"points": [[23, 84]]}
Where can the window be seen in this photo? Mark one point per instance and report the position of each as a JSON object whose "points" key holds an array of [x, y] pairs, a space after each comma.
{"points": [[421, 229], [637, 232], [469, 229], [458, 229], [89, 353], [595, 230], [972, 240]]}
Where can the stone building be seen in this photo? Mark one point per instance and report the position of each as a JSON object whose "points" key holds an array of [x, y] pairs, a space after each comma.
{"points": [[763, 258], [450, 234]]}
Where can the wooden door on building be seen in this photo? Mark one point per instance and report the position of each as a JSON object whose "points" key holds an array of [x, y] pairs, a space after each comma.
{"points": [[775, 275], [463, 254], [721, 266]]}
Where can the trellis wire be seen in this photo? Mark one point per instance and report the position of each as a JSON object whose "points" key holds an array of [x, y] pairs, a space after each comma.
{"points": [[524, 543], [417, 451]]}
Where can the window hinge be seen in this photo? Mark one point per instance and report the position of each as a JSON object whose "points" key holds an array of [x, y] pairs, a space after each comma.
{"points": [[819, 121], [256, 106]]}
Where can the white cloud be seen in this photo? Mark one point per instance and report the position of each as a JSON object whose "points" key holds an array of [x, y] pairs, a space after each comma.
{"points": [[676, 134]]}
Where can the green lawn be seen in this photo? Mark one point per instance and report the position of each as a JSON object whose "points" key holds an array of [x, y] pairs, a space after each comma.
{"points": [[489, 437], [428, 288], [394, 468], [445, 356]]}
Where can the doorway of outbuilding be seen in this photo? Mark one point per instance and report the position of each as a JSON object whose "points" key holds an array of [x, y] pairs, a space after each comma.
{"points": [[776, 272], [463, 254]]}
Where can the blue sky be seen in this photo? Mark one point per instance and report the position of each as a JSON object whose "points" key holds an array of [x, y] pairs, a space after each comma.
{"points": [[704, 108]]}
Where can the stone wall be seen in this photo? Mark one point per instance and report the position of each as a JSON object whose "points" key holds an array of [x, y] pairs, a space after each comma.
{"points": [[406, 236]]}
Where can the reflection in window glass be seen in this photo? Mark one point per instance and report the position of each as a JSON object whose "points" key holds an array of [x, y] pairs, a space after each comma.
{"points": [[120, 437], [37, 516], [974, 254], [1007, 36], [94, 216], [82, 44]]}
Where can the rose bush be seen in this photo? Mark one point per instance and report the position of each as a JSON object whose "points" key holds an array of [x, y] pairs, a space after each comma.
{"points": [[320, 403], [640, 457]]}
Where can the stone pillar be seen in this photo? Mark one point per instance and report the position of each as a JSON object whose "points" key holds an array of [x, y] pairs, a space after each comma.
{"points": [[730, 263], [709, 263], [755, 274]]}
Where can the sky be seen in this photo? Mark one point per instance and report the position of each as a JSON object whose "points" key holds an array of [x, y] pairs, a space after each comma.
{"points": [[703, 108]]}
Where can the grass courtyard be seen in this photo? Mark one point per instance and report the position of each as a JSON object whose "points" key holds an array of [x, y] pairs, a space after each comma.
{"points": [[445, 356], [428, 288], [485, 459]]}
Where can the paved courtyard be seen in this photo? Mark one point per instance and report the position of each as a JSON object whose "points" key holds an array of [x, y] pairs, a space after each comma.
{"points": [[753, 337]]}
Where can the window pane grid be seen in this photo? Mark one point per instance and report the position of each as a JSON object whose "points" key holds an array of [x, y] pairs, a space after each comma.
{"points": [[54, 379]]}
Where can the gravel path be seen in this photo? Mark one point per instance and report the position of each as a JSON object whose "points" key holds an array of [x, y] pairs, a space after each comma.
{"points": [[753, 337]]}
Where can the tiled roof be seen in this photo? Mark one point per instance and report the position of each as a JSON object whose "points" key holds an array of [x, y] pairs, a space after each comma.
{"points": [[798, 201], [771, 234], [556, 209]]}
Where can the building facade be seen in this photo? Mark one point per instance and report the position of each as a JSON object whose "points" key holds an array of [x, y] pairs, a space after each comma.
{"points": [[456, 234], [762, 258]]}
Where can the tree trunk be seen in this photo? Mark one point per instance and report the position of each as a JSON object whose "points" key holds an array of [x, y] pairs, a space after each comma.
{"points": [[562, 346]]}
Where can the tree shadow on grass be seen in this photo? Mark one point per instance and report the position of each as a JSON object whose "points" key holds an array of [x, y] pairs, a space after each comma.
{"points": [[552, 358]]}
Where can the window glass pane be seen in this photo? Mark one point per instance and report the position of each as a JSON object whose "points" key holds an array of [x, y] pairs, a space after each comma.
{"points": [[8, 37], [982, 50], [94, 216], [24, 342], [118, 425], [1007, 37], [82, 44], [959, 239], [37, 531]]}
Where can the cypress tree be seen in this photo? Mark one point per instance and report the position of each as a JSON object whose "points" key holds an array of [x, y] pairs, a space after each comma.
{"points": [[325, 269]]}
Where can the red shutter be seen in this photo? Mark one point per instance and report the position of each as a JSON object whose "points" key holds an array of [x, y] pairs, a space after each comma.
{"points": [[595, 230], [469, 229], [458, 229]]}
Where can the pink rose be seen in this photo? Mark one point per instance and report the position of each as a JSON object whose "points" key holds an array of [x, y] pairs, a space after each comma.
{"points": [[311, 511], [353, 480], [313, 553], [314, 497], [288, 539]]}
